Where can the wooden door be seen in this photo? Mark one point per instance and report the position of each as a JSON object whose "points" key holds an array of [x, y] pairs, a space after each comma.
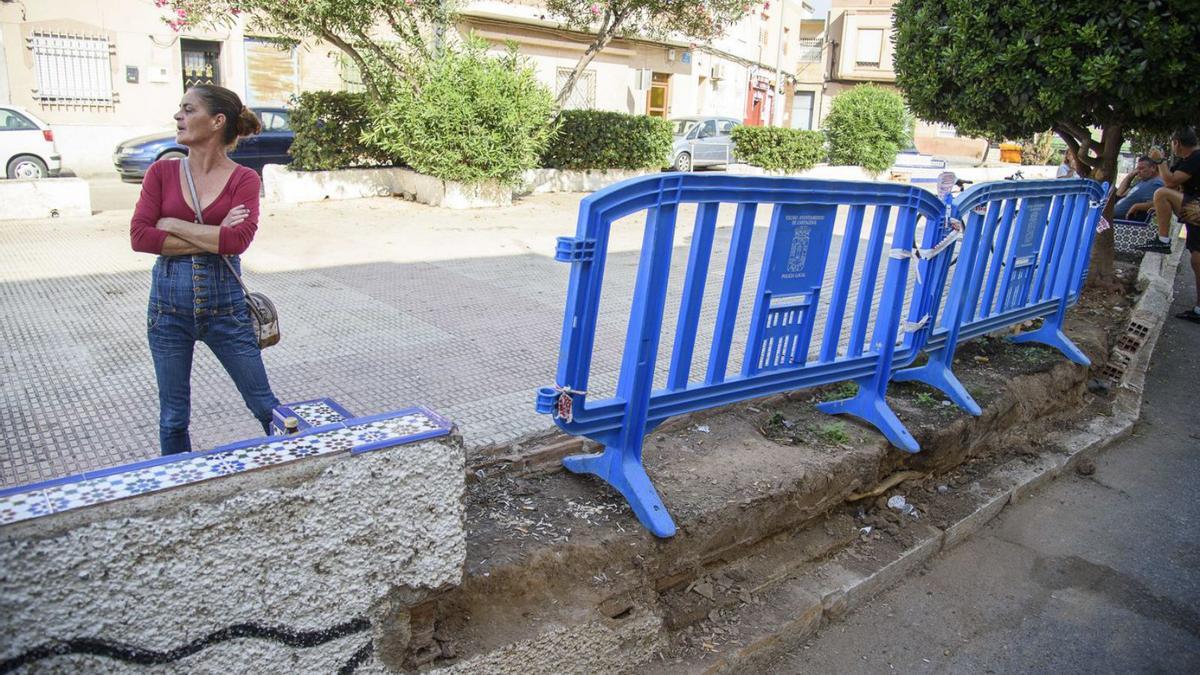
{"points": [[659, 96]]}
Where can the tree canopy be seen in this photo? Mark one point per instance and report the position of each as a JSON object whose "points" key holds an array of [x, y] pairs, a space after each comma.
{"points": [[1010, 68], [417, 26]]}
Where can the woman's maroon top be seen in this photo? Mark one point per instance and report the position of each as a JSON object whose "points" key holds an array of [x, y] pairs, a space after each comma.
{"points": [[162, 197]]}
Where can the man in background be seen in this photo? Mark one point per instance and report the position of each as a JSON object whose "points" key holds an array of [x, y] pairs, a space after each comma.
{"points": [[1135, 193], [1180, 196]]}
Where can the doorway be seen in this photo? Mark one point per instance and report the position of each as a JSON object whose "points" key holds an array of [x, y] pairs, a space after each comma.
{"points": [[201, 62], [659, 95]]}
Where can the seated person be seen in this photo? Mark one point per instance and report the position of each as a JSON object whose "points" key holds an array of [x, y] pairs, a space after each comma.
{"points": [[1135, 199]]}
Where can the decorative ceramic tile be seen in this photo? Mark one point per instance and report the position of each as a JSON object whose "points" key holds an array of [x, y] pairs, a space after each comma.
{"points": [[311, 414], [361, 434], [318, 413], [118, 485], [23, 506], [391, 429]]}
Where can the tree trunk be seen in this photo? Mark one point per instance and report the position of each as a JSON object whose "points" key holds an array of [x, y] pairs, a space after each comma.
{"points": [[607, 30], [349, 50], [1102, 273]]}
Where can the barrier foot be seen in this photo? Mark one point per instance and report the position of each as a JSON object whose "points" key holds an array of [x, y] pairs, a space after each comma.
{"points": [[628, 476], [871, 408], [1052, 336], [937, 375]]}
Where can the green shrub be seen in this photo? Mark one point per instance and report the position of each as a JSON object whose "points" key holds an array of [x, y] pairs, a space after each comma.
{"points": [[596, 139], [467, 117], [867, 126], [779, 149], [329, 128]]}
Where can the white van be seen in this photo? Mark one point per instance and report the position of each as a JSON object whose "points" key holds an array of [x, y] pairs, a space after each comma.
{"points": [[27, 147]]}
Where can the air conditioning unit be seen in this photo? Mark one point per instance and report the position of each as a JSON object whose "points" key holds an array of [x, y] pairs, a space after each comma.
{"points": [[718, 71]]}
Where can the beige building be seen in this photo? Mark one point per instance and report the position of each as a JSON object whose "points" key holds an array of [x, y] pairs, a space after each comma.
{"points": [[103, 71], [859, 50]]}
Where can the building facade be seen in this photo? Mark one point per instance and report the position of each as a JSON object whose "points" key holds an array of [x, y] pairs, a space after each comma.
{"points": [[859, 50]]}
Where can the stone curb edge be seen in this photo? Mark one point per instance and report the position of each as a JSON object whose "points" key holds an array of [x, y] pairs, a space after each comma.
{"points": [[845, 591]]}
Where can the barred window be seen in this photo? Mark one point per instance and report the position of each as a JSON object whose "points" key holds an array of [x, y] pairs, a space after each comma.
{"points": [[583, 96], [810, 50], [74, 69]]}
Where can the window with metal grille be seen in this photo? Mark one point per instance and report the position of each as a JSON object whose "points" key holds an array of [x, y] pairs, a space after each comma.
{"points": [[72, 68], [810, 50], [583, 96]]}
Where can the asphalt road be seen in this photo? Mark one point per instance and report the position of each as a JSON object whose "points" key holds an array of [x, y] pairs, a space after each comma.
{"points": [[1093, 574]]}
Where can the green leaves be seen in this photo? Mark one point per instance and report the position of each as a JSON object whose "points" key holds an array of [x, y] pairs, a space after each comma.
{"points": [[466, 117], [779, 149], [867, 126], [329, 126], [1012, 68], [596, 139]]}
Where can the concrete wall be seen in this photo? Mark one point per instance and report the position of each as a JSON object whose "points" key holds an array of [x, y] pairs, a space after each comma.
{"points": [[44, 198], [324, 553], [281, 184]]}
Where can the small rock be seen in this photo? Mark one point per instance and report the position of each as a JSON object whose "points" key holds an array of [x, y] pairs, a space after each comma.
{"points": [[943, 489], [703, 428], [1098, 386], [897, 502], [1085, 467], [704, 589]]}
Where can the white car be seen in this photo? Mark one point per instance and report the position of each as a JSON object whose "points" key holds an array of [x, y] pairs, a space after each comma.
{"points": [[27, 145]]}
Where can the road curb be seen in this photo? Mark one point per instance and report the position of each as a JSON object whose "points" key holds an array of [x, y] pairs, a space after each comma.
{"points": [[842, 591]]}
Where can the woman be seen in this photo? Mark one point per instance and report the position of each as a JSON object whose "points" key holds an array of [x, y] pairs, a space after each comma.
{"points": [[193, 295]]}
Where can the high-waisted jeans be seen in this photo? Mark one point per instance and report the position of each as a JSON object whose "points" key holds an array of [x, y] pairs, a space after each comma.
{"points": [[196, 298]]}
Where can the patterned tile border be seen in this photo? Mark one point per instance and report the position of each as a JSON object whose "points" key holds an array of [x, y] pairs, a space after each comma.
{"points": [[347, 434], [319, 412]]}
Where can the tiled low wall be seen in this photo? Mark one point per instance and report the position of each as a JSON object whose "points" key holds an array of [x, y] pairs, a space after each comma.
{"points": [[214, 562]]}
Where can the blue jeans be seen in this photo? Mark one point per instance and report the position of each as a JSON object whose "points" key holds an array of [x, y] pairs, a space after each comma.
{"points": [[196, 298]]}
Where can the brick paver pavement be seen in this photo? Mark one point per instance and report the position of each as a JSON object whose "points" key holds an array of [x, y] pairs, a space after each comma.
{"points": [[384, 304]]}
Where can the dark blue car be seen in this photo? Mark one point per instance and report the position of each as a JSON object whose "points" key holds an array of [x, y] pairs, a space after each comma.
{"points": [[133, 157]]}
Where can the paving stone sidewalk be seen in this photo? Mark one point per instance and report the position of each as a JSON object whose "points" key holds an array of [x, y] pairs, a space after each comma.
{"points": [[384, 304]]}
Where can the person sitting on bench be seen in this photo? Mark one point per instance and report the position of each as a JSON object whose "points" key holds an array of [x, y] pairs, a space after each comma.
{"points": [[1134, 199]]}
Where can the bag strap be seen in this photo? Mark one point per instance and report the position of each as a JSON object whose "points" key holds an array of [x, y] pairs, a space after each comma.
{"points": [[187, 172]]}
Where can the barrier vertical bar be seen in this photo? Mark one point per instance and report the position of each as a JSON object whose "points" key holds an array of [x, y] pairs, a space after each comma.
{"points": [[621, 463], [869, 403], [731, 293], [693, 296], [937, 371], [979, 261], [866, 285], [999, 252], [841, 284], [1045, 264]]}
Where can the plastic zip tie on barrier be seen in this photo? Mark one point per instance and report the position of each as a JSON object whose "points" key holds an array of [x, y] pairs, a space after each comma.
{"points": [[564, 405], [910, 327]]}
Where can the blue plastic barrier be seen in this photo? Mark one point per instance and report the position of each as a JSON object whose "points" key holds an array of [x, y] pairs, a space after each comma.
{"points": [[1024, 256], [781, 328], [1039, 270]]}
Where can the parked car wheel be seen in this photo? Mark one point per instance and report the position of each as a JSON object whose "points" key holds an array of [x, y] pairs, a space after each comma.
{"points": [[683, 162], [27, 166]]}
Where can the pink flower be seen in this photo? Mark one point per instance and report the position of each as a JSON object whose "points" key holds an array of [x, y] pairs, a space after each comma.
{"points": [[181, 13], [595, 9], [236, 11], [174, 25], [160, 3]]}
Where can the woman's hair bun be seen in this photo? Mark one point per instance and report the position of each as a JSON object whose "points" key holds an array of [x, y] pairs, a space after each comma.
{"points": [[247, 123]]}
